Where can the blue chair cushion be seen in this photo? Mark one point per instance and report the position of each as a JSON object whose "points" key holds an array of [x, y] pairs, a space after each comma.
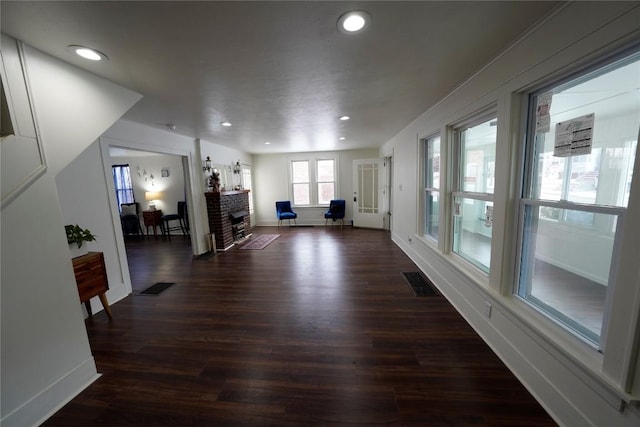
{"points": [[287, 215]]}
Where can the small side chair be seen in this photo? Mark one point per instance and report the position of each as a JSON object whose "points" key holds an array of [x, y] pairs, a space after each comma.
{"points": [[336, 211], [181, 217], [284, 211]]}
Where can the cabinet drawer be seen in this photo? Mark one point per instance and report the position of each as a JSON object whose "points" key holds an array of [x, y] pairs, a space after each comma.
{"points": [[91, 287], [90, 275]]}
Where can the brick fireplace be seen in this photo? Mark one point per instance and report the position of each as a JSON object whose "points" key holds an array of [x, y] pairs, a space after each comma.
{"points": [[224, 210]]}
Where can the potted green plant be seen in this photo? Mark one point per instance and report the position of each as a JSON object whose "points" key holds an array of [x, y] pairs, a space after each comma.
{"points": [[76, 236]]}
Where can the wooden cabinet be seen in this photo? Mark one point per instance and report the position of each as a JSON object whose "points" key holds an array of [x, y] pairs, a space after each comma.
{"points": [[91, 277], [152, 219]]}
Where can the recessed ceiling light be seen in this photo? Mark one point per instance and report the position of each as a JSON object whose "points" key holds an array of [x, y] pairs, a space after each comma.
{"points": [[267, 143], [87, 52], [225, 124], [353, 22], [344, 118], [342, 138]]}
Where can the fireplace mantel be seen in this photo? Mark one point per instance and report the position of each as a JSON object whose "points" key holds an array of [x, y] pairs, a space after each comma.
{"points": [[219, 207], [224, 193]]}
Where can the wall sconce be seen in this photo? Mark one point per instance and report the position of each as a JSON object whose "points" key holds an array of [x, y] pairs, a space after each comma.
{"points": [[151, 197], [207, 165], [237, 168]]}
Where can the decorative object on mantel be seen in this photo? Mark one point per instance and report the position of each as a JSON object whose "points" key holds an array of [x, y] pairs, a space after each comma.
{"points": [[207, 165], [76, 236], [214, 181]]}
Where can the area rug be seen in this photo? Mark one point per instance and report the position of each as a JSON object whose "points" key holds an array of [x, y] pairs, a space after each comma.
{"points": [[421, 287], [157, 288], [260, 241]]}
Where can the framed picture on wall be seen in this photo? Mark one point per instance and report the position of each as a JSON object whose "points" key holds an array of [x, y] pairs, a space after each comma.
{"points": [[165, 172]]}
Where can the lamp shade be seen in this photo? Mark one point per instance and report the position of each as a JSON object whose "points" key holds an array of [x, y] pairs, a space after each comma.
{"points": [[152, 195]]}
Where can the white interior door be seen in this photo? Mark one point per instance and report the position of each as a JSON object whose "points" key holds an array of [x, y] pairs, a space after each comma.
{"points": [[368, 193]]}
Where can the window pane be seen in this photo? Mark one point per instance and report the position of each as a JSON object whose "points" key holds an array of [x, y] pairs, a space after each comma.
{"points": [[368, 188], [325, 171], [326, 193], [433, 163], [584, 146], [601, 175], [566, 268], [432, 214], [122, 184], [300, 171], [478, 157], [473, 221], [301, 194]]}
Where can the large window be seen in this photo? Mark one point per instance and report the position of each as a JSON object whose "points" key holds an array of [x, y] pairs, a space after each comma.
{"points": [[313, 182], [122, 183], [432, 187], [475, 154], [581, 148]]}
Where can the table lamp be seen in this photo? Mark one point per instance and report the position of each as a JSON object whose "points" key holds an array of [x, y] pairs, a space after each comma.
{"points": [[152, 196]]}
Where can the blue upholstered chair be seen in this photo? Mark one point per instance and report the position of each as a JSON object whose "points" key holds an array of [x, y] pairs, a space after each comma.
{"points": [[336, 212], [284, 211]]}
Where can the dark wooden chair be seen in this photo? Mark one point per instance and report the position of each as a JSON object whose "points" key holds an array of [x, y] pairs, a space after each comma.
{"points": [[130, 218], [182, 218]]}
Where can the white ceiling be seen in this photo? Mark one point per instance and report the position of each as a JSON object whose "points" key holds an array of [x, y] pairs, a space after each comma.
{"points": [[279, 71]]}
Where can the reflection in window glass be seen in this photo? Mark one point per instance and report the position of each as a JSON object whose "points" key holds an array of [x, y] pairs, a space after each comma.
{"points": [[368, 188], [473, 202], [472, 227], [478, 157], [432, 214], [326, 193], [560, 277], [432, 186], [301, 194], [326, 184], [300, 178], [572, 206], [300, 171]]}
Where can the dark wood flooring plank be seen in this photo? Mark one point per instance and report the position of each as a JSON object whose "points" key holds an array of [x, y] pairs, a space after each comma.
{"points": [[319, 328]]}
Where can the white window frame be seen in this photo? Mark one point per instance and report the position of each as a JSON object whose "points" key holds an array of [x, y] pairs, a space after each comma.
{"points": [[313, 183], [457, 183], [429, 190], [318, 182], [527, 200], [292, 184]]}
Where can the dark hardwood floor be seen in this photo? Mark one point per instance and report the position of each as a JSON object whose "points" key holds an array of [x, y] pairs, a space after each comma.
{"points": [[319, 328]]}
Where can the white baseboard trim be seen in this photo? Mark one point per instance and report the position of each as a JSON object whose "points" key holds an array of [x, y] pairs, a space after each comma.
{"points": [[46, 403]]}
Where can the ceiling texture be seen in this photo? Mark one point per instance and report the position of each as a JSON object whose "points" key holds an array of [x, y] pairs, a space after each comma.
{"points": [[280, 72]]}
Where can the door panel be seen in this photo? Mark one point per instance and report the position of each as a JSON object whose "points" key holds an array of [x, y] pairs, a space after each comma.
{"points": [[368, 193]]}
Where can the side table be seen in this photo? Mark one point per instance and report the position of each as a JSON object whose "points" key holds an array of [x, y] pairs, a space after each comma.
{"points": [[153, 219], [91, 277]]}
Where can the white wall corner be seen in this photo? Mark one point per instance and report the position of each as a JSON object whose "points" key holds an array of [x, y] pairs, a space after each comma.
{"points": [[43, 405]]}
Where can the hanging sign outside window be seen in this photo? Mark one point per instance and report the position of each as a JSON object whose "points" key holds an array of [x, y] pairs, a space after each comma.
{"points": [[574, 137], [543, 118], [489, 217]]}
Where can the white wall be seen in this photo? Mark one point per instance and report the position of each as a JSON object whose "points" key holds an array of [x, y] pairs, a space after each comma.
{"points": [[271, 183], [223, 158], [84, 200], [45, 354], [132, 135], [173, 187], [573, 381]]}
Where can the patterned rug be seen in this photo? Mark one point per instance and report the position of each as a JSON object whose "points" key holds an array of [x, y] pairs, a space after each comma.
{"points": [[260, 241]]}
